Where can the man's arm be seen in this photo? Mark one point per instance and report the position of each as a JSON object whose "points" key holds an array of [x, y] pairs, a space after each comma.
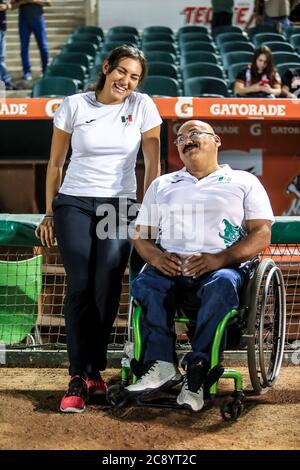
{"points": [[258, 238], [167, 263]]}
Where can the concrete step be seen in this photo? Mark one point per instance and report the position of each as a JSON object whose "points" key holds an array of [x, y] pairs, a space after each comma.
{"points": [[18, 93], [15, 46]]}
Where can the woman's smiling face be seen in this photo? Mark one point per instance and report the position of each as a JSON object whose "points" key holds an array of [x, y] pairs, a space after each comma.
{"points": [[122, 80]]}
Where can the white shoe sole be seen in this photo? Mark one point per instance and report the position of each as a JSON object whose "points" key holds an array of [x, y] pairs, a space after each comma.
{"points": [[170, 383], [72, 410]]}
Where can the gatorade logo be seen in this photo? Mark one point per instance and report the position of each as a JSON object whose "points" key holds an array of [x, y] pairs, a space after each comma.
{"points": [[184, 107], [52, 105]]}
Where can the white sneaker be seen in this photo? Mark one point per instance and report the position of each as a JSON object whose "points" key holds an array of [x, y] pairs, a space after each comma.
{"points": [[189, 399], [160, 373]]}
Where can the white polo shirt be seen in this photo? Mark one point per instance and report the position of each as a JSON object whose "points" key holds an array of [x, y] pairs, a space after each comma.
{"points": [[105, 142], [206, 215]]}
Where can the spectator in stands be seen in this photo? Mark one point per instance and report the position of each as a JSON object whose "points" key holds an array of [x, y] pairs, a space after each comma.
{"points": [[196, 257], [260, 79], [276, 13], [106, 127], [291, 83], [5, 5], [32, 20], [222, 12]]}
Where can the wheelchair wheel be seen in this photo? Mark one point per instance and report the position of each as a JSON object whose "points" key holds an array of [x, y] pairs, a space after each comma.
{"points": [[116, 396], [232, 409], [266, 326]]}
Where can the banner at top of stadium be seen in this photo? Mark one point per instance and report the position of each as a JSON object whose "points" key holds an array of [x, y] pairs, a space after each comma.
{"points": [[172, 13]]}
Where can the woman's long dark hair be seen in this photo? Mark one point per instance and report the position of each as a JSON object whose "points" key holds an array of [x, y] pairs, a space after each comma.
{"points": [[270, 70], [123, 52]]}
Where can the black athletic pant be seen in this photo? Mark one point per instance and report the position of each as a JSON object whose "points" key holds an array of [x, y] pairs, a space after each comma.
{"points": [[94, 269]]}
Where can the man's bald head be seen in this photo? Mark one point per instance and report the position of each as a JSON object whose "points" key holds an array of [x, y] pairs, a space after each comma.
{"points": [[201, 125]]}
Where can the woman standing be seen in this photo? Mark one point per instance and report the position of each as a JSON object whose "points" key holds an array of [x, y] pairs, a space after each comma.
{"points": [[260, 79], [90, 210]]}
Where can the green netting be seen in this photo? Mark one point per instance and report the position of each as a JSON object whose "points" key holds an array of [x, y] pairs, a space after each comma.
{"points": [[20, 286]]}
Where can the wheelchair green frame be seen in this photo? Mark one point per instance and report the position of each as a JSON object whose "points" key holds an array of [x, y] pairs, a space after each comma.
{"points": [[265, 281]]}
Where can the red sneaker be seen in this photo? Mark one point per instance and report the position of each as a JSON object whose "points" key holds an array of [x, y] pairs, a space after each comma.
{"points": [[96, 387], [74, 401]]}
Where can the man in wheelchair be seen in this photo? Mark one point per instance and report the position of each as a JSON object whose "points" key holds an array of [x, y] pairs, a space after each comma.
{"points": [[197, 229]]}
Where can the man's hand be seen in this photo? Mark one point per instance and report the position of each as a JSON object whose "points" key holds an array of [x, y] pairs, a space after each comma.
{"points": [[202, 263], [167, 263]]}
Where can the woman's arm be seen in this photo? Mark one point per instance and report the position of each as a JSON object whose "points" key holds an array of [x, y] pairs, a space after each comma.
{"points": [[59, 149], [151, 152], [242, 90]]}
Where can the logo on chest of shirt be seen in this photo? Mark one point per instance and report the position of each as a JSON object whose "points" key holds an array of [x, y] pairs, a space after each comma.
{"points": [[225, 179], [127, 119]]}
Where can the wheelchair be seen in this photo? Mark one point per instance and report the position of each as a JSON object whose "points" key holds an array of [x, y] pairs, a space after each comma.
{"points": [[258, 325]]}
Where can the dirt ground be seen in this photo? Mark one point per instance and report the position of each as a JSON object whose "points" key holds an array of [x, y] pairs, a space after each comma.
{"points": [[29, 418]]}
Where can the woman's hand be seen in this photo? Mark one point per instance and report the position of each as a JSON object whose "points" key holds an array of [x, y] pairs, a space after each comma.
{"points": [[266, 89], [45, 231]]}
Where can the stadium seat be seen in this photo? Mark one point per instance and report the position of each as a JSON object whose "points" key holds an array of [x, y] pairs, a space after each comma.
{"points": [[195, 56], [108, 46], [157, 29], [84, 47], [74, 58], [123, 29], [202, 69], [238, 46], [20, 286], [54, 86], [205, 86], [230, 37], [292, 30], [226, 29], [161, 86], [123, 38], [260, 29], [162, 69], [278, 46], [84, 37], [161, 56], [194, 36], [234, 69], [90, 30], [159, 46], [295, 41], [262, 38], [191, 29], [197, 46], [281, 68], [152, 37], [282, 57], [75, 71], [234, 57]]}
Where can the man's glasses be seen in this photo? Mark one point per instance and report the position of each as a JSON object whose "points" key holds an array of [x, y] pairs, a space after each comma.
{"points": [[192, 135]]}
